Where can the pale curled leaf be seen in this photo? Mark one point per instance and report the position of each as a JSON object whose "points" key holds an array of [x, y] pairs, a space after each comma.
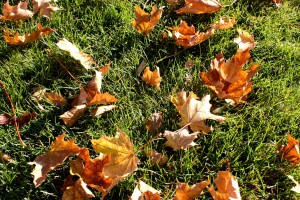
{"points": [[144, 192], [224, 23], [185, 192], [102, 109], [4, 158], [78, 191], [180, 139], [71, 116], [17, 12]]}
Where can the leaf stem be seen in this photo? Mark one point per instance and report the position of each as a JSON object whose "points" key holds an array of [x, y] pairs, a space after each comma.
{"points": [[14, 113]]}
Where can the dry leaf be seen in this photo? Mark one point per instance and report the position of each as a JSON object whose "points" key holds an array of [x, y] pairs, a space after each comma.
{"points": [[78, 191], [245, 41], [22, 120], [290, 152], [123, 159], [44, 7], [200, 7], [278, 3], [81, 98], [145, 24], [157, 158], [228, 187], [185, 192], [194, 113], [154, 122], [189, 64], [103, 98], [101, 110], [91, 171], [4, 158], [180, 139], [59, 151], [71, 116], [56, 99], [5, 119], [104, 69], [85, 59], [152, 78], [17, 12], [297, 187], [28, 38], [187, 36], [144, 192], [224, 23], [172, 3]]}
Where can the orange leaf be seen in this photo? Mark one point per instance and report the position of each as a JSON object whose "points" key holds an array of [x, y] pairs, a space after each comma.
{"points": [[17, 12], [180, 139], [144, 192], [55, 98], [28, 38], [185, 192], [290, 152], [224, 23], [228, 187], [104, 98], [145, 24], [200, 7], [59, 151], [105, 69], [71, 116], [78, 191], [152, 78], [44, 7]]}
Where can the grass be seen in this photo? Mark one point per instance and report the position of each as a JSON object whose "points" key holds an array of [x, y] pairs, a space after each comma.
{"points": [[103, 29]]}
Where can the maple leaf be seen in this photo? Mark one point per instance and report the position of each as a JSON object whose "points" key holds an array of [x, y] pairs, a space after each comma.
{"points": [[144, 192], [44, 7], [180, 139], [17, 12], [290, 152], [102, 109], [27, 38], [228, 187], [59, 151], [223, 23], [194, 113], [145, 24], [154, 122], [200, 7], [157, 158], [85, 59], [152, 78], [185, 192], [297, 187], [187, 36], [78, 191], [101, 98], [91, 171], [56, 98]]}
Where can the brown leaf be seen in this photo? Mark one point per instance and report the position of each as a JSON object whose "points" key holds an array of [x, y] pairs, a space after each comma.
{"points": [[187, 36], [44, 7], [154, 122], [85, 59], [91, 171], [185, 192], [26, 118], [144, 192], [224, 23], [78, 191], [81, 98], [56, 99], [4, 158], [6, 119], [71, 116], [152, 78], [17, 12], [145, 24], [194, 113], [180, 139], [28, 38], [59, 151], [228, 187], [102, 109], [157, 158], [200, 7], [290, 152]]}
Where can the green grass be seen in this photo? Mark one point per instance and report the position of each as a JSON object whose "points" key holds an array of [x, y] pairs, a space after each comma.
{"points": [[103, 29]]}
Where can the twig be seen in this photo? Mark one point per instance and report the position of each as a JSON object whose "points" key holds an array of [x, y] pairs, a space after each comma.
{"points": [[175, 54], [14, 113], [147, 143], [51, 54]]}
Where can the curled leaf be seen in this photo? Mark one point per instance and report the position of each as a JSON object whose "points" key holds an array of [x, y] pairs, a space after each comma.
{"points": [[71, 116], [102, 109], [290, 152], [224, 23], [144, 192], [200, 7], [157, 158], [185, 192], [180, 139], [17, 12], [152, 78]]}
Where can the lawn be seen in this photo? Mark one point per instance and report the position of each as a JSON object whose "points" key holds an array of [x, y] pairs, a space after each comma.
{"points": [[103, 29]]}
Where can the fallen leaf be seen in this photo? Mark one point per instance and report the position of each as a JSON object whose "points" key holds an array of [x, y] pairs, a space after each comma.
{"points": [[4, 158], [71, 116], [297, 187], [185, 192], [102, 98], [78, 191], [59, 151], [172, 3], [154, 122], [187, 36], [157, 158], [102, 109], [17, 12], [104, 69], [278, 3], [28, 38], [38, 94], [56, 99], [85, 59], [5, 119], [22, 120], [145, 24], [189, 64], [44, 7], [200, 7], [224, 23], [152, 78], [290, 152], [194, 113], [91, 171], [123, 159], [144, 192], [245, 41], [228, 187], [81, 98], [180, 139], [94, 86]]}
